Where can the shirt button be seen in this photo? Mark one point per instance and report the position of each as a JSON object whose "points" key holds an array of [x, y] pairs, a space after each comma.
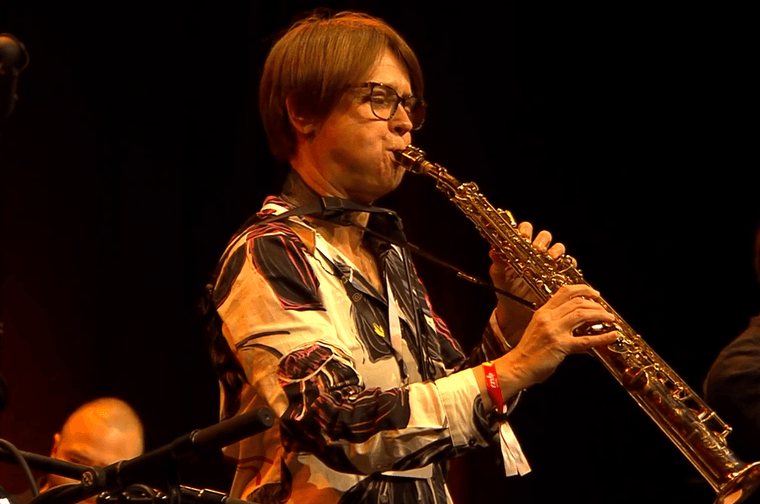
{"points": [[471, 442], [356, 297]]}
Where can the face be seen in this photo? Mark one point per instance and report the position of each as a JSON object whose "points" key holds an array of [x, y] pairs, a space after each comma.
{"points": [[87, 440], [351, 152]]}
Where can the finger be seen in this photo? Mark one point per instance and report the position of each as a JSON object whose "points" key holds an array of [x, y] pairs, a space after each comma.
{"points": [[579, 304], [567, 292], [586, 316], [526, 229], [585, 343], [577, 313], [497, 257], [542, 241], [499, 266], [556, 250]]}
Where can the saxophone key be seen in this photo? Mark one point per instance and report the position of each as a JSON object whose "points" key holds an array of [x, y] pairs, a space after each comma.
{"points": [[635, 379], [596, 328]]}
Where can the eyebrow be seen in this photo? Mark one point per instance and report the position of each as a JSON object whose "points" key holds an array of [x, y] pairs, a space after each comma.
{"points": [[393, 87], [82, 458]]}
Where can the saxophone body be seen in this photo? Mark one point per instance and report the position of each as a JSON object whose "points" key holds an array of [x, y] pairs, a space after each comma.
{"points": [[681, 414]]}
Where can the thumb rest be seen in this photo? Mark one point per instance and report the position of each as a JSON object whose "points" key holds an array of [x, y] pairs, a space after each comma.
{"points": [[681, 414]]}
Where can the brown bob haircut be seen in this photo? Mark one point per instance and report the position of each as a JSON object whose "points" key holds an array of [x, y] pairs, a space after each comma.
{"points": [[314, 63]]}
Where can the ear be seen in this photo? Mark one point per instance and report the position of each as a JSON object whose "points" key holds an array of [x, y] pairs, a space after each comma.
{"points": [[305, 126], [56, 444]]}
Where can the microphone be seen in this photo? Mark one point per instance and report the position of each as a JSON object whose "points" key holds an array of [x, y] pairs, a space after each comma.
{"points": [[13, 59]]}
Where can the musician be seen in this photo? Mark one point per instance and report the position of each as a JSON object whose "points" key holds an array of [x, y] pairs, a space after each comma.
{"points": [[732, 386], [98, 433], [316, 310]]}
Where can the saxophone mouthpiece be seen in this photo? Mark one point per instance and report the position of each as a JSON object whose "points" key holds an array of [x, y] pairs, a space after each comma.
{"points": [[412, 159]]}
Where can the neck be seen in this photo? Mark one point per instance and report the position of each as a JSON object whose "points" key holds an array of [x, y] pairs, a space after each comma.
{"points": [[306, 163], [296, 191]]}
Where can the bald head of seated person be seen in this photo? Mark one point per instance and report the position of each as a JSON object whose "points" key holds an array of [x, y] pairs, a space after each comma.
{"points": [[98, 433]]}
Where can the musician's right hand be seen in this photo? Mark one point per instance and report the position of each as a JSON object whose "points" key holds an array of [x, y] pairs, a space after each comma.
{"points": [[549, 338]]}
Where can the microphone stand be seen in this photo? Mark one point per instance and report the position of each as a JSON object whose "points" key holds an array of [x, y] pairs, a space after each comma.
{"points": [[47, 464], [139, 493], [155, 468], [187, 495]]}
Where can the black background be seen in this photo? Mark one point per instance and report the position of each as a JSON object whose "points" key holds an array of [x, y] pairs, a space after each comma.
{"points": [[136, 150]]}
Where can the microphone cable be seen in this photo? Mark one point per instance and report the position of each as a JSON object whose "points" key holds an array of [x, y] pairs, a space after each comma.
{"points": [[22, 463]]}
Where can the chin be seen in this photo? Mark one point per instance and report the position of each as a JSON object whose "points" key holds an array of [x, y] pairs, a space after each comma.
{"points": [[369, 194], [398, 176], [391, 180], [54, 480]]}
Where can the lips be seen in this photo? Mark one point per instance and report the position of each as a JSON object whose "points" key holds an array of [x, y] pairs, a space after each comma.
{"points": [[394, 159], [395, 154]]}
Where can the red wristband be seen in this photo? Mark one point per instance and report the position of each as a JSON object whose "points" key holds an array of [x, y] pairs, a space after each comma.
{"points": [[494, 389]]}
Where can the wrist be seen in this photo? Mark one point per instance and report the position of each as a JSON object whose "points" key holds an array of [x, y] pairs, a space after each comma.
{"points": [[493, 387], [513, 375]]}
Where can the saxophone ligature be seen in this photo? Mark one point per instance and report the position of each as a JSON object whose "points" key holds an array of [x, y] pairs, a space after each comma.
{"points": [[680, 413]]}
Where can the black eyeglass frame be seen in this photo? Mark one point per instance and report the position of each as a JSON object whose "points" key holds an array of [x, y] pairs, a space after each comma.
{"points": [[421, 104]]}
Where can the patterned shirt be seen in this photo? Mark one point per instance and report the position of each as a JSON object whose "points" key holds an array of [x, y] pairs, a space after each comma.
{"points": [[371, 393]]}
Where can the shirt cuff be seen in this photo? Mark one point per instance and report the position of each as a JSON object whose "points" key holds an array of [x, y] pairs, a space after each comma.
{"points": [[458, 392], [497, 334]]}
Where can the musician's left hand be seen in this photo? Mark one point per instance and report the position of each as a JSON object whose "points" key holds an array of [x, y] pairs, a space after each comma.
{"points": [[511, 316]]}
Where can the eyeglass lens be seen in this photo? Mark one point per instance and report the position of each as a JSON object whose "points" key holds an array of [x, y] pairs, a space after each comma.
{"points": [[384, 101]]}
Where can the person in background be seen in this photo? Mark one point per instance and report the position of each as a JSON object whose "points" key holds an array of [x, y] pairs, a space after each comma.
{"points": [[98, 433], [732, 386]]}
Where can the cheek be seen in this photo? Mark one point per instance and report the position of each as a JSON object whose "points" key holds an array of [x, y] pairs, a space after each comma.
{"points": [[365, 138], [362, 149]]}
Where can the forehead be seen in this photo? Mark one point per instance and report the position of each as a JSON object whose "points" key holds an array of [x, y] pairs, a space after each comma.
{"points": [[99, 450], [390, 71], [88, 435]]}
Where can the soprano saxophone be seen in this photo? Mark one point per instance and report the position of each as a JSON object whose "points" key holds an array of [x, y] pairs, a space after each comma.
{"points": [[681, 414]]}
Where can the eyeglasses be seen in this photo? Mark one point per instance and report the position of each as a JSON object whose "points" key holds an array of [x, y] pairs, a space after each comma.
{"points": [[384, 101]]}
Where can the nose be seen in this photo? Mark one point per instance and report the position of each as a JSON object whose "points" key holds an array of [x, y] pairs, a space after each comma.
{"points": [[401, 122]]}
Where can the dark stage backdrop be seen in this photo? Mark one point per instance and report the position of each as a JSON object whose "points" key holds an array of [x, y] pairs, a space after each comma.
{"points": [[136, 150]]}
